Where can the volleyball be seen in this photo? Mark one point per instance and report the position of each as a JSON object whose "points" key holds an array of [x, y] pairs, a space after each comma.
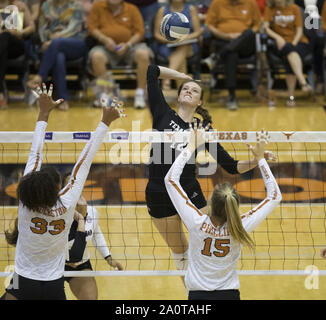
{"points": [[175, 26]]}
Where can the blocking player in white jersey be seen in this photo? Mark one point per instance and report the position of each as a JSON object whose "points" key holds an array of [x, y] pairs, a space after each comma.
{"points": [[215, 240], [85, 230], [45, 212]]}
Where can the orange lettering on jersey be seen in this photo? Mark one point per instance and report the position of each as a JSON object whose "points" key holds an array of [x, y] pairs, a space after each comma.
{"points": [[265, 172], [203, 227], [211, 230], [58, 211]]}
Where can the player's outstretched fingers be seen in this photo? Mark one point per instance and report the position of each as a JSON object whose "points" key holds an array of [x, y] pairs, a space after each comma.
{"points": [[44, 88], [58, 102], [121, 111], [50, 90], [38, 90], [115, 102], [35, 94], [103, 102]]}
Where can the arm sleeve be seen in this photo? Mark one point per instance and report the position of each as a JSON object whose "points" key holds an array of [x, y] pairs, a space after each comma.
{"points": [[98, 237], [76, 251], [188, 212], [157, 103], [100, 243], [222, 157], [255, 216], [70, 194], [35, 157]]}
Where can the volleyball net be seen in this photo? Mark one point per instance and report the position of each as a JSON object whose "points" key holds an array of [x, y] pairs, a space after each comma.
{"points": [[287, 242]]}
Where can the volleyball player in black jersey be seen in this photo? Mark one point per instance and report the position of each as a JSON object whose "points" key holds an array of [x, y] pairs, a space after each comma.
{"points": [[160, 207]]}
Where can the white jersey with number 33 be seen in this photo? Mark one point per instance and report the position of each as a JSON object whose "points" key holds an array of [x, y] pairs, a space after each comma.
{"points": [[42, 240], [213, 254]]}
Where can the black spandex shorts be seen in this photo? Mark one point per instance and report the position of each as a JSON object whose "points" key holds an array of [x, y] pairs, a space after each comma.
{"points": [[27, 289], [214, 295], [84, 266], [159, 204]]}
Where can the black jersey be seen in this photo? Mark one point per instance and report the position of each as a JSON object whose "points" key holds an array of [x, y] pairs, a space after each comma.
{"points": [[164, 154]]}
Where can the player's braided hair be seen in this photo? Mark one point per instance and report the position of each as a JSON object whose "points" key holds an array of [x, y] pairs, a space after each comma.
{"points": [[207, 118], [205, 114], [224, 206], [38, 190]]}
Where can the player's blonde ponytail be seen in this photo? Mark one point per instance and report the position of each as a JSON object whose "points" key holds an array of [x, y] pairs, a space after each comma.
{"points": [[225, 208]]}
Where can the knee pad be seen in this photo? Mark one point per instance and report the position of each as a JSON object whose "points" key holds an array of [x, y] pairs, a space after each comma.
{"points": [[181, 260]]}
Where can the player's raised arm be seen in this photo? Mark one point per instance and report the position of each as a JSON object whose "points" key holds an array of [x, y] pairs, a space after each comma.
{"points": [[46, 106], [255, 216], [186, 209], [71, 192]]}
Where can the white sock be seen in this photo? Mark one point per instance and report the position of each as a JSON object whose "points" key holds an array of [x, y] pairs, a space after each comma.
{"points": [[140, 91]]}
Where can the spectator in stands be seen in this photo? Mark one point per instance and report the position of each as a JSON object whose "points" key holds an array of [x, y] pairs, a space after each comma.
{"points": [[12, 40], [148, 9], [31, 45], [178, 54], [283, 23], [118, 28], [316, 36], [233, 23], [87, 6], [34, 7], [62, 36], [206, 46]]}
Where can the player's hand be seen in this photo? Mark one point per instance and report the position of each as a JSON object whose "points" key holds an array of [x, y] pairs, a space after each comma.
{"points": [[113, 112], [45, 101], [270, 156], [197, 136], [323, 253], [262, 140], [82, 206], [80, 220], [114, 264], [78, 216]]}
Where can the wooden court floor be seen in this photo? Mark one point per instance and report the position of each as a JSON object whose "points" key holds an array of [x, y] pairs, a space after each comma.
{"points": [[251, 116]]}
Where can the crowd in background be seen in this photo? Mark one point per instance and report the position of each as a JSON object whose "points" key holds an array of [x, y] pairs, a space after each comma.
{"points": [[109, 33]]}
